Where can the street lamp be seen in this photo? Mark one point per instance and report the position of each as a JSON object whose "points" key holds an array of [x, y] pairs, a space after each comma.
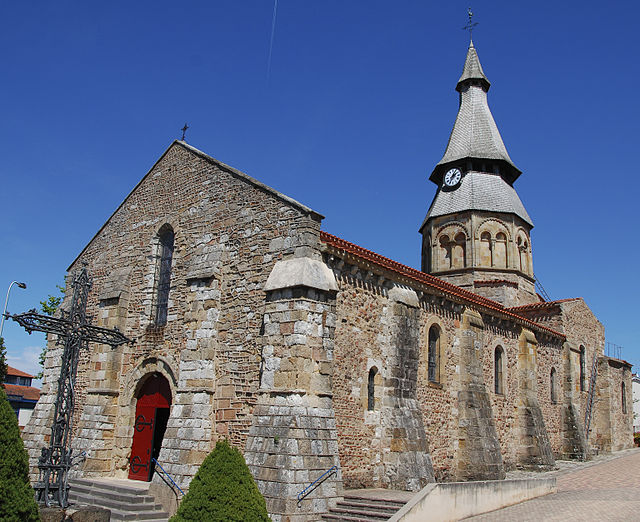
{"points": [[4, 311]]}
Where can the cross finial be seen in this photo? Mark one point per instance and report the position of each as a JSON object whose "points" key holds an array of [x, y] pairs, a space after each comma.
{"points": [[184, 130], [470, 25]]}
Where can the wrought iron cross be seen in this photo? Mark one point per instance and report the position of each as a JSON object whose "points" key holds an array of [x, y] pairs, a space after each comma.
{"points": [[74, 328], [184, 130], [471, 24]]}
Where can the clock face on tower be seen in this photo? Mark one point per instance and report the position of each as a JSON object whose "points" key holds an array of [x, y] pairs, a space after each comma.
{"points": [[452, 177]]}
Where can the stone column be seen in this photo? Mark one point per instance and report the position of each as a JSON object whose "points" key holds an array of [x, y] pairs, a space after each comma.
{"points": [[293, 438], [479, 456], [534, 447], [407, 464]]}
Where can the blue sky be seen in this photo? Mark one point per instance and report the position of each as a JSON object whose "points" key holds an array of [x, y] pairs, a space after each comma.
{"points": [[353, 115]]}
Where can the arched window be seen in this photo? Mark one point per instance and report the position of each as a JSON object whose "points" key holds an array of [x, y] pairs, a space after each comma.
{"points": [[624, 398], [433, 355], [371, 389], [486, 249], [163, 279], [498, 383], [459, 251], [444, 259], [500, 255], [523, 254], [582, 368], [552, 384]]}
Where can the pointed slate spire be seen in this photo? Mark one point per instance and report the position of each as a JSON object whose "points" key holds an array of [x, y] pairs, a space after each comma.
{"points": [[473, 70], [475, 139]]}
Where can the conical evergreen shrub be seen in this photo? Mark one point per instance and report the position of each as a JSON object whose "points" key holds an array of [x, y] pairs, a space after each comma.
{"points": [[222, 490], [16, 495]]}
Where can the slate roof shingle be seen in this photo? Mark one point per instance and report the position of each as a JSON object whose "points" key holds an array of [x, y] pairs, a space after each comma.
{"points": [[479, 191], [474, 134]]}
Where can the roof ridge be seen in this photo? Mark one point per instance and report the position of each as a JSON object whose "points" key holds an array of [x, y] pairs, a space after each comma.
{"points": [[429, 280], [18, 373]]}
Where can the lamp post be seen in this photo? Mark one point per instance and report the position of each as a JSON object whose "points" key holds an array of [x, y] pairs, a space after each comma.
{"points": [[4, 311]]}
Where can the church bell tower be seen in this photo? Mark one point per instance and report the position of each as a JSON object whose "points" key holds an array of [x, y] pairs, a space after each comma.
{"points": [[476, 234]]}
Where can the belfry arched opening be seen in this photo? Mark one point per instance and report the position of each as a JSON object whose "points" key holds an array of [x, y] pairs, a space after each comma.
{"points": [[152, 414]]}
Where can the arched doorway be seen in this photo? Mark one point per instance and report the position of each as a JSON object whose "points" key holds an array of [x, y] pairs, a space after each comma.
{"points": [[152, 414]]}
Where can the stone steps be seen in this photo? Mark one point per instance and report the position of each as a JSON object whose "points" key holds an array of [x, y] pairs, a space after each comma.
{"points": [[127, 499], [367, 506]]}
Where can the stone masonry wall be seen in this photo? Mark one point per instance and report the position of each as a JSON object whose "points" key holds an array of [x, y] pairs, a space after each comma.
{"points": [[385, 446], [479, 456], [439, 399], [534, 448], [293, 439], [582, 329], [502, 334], [473, 268], [621, 418], [229, 231]]}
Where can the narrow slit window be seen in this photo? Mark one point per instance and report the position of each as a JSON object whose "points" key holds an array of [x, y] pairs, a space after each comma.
{"points": [[497, 368], [433, 356], [582, 368], [164, 274], [371, 389], [552, 384]]}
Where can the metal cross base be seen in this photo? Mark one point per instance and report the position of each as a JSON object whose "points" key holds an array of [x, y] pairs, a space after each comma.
{"points": [[74, 328]]}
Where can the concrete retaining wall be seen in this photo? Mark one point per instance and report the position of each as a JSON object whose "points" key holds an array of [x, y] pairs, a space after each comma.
{"points": [[457, 500]]}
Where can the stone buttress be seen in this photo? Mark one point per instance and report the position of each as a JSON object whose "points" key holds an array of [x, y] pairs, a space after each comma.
{"points": [[534, 448], [574, 441], [407, 464], [293, 439], [479, 456]]}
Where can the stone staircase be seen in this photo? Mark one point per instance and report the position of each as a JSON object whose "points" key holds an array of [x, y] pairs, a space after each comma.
{"points": [[368, 505], [127, 499]]}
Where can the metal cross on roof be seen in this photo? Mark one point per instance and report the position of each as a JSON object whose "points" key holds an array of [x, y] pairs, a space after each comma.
{"points": [[471, 24], [184, 130], [74, 330]]}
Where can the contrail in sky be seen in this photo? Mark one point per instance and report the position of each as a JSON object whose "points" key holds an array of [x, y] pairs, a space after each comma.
{"points": [[273, 32]]}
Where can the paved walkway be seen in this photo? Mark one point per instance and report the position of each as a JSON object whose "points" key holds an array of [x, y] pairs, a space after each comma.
{"points": [[607, 488]]}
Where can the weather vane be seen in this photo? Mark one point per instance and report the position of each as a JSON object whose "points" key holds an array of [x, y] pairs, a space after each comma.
{"points": [[469, 27], [184, 130]]}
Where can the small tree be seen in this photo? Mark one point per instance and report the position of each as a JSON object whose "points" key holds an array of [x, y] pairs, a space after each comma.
{"points": [[16, 495], [222, 490], [49, 307]]}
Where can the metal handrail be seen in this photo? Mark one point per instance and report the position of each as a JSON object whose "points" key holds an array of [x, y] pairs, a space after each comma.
{"points": [[167, 475], [306, 491]]}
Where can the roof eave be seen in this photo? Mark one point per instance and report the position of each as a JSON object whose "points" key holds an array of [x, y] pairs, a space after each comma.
{"points": [[509, 172]]}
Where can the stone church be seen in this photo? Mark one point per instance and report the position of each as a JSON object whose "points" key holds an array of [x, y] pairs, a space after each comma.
{"points": [[307, 351]]}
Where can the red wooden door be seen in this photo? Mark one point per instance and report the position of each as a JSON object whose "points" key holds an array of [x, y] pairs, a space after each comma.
{"points": [[155, 393], [140, 463]]}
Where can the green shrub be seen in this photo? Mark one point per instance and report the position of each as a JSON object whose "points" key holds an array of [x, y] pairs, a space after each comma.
{"points": [[636, 439], [222, 490], [16, 495]]}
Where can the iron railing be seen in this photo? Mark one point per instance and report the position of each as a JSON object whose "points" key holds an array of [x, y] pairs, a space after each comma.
{"points": [[613, 350], [311, 487], [164, 475]]}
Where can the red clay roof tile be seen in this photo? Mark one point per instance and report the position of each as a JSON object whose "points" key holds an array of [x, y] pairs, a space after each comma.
{"points": [[18, 373], [541, 305], [26, 392], [429, 280]]}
